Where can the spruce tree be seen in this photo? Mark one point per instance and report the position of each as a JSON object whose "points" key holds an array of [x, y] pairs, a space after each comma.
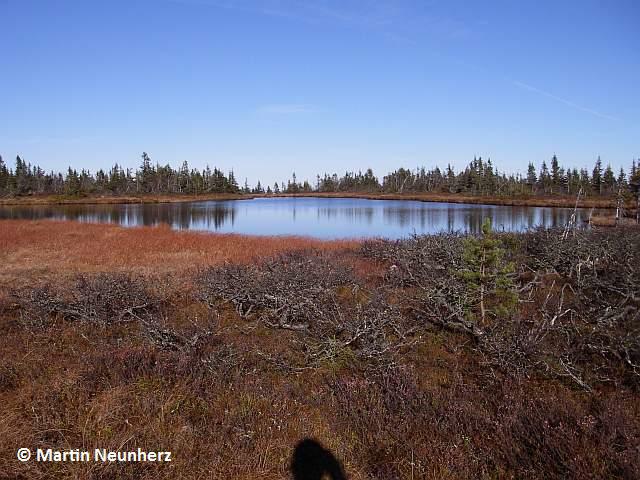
{"points": [[451, 179], [72, 183], [635, 171], [545, 177], [532, 179], [4, 176], [596, 177], [622, 179], [609, 180], [487, 275], [555, 173]]}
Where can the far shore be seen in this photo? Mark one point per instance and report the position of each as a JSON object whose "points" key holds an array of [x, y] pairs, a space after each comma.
{"points": [[559, 201], [117, 199], [564, 201]]}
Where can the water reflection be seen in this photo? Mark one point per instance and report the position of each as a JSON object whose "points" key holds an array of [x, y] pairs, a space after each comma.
{"points": [[318, 217]]}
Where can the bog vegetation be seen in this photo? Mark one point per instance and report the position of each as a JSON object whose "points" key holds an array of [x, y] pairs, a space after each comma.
{"points": [[497, 356]]}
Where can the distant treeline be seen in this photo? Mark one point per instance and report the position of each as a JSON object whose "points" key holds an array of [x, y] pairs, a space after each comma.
{"points": [[480, 177], [26, 179]]}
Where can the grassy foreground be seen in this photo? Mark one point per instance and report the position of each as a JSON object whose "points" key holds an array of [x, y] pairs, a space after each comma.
{"points": [[228, 350]]}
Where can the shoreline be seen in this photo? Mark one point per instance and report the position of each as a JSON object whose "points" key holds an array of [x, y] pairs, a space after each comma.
{"points": [[563, 201], [113, 200], [549, 201]]}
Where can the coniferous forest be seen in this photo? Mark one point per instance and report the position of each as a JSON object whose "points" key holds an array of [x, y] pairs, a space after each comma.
{"points": [[479, 177]]}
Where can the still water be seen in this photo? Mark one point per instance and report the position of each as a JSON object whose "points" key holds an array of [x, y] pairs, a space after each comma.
{"points": [[316, 217]]}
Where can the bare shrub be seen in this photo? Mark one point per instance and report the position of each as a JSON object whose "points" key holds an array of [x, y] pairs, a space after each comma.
{"points": [[294, 290], [579, 300], [423, 271], [104, 298], [587, 324], [312, 294], [372, 331]]}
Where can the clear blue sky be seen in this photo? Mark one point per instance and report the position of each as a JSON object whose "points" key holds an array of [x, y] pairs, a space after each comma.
{"points": [[270, 87]]}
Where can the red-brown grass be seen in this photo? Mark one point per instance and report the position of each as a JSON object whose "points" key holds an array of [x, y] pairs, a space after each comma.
{"points": [[235, 404], [42, 249]]}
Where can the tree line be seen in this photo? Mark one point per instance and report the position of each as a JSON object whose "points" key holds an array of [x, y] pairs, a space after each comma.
{"points": [[26, 179], [479, 177]]}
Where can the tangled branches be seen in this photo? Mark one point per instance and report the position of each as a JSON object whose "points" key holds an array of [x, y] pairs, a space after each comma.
{"points": [[577, 315], [423, 270], [591, 309], [293, 291], [579, 297], [107, 299], [101, 298], [316, 296]]}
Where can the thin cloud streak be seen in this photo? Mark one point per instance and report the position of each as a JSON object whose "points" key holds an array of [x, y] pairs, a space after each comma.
{"points": [[287, 109], [393, 19], [566, 102], [307, 12]]}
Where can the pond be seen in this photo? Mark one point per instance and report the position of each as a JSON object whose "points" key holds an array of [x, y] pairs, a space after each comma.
{"points": [[326, 218]]}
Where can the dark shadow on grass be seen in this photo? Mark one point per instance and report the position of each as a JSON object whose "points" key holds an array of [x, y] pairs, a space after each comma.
{"points": [[311, 461]]}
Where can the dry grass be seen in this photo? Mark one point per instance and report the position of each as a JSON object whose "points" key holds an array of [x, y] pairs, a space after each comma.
{"points": [[230, 395], [610, 221], [102, 388], [45, 249]]}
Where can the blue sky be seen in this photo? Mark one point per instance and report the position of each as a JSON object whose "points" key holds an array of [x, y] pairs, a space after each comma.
{"points": [[270, 87]]}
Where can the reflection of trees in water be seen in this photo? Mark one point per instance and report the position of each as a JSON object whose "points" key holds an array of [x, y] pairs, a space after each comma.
{"points": [[184, 216], [205, 216], [428, 218], [469, 218], [353, 214], [423, 218]]}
